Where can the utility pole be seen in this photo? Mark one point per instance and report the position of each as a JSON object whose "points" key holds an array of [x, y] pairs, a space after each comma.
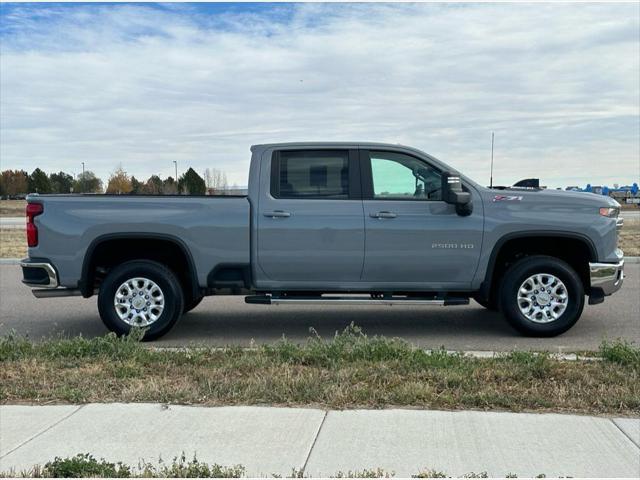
{"points": [[491, 174], [82, 183]]}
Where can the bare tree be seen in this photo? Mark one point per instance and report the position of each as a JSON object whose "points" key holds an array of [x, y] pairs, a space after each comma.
{"points": [[215, 180]]}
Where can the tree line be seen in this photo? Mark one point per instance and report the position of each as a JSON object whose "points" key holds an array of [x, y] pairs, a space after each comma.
{"points": [[17, 183]]}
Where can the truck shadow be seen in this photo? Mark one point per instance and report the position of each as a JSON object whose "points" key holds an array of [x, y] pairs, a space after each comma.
{"points": [[427, 326]]}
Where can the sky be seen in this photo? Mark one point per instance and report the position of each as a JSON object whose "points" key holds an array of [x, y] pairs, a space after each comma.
{"points": [[142, 85]]}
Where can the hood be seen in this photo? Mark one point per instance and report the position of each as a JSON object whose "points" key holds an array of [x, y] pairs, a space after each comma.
{"points": [[564, 196]]}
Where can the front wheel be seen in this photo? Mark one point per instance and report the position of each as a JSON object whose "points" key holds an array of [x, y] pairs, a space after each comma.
{"points": [[541, 296], [143, 294]]}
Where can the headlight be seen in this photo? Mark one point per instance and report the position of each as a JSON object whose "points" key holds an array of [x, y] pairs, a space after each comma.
{"points": [[609, 212]]}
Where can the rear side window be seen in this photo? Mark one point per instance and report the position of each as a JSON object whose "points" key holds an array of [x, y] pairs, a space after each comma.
{"points": [[321, 174]]}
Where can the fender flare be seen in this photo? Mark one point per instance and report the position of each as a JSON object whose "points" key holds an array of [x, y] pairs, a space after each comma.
{"points": [[488, 276], [83, 284]]}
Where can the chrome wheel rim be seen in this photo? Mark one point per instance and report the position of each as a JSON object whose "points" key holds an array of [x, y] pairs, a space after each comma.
{"points": [[543, 298], [139, 302]]}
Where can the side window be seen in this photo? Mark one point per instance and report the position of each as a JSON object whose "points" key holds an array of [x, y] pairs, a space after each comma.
{"points": [[310, 174], [401, 177]]}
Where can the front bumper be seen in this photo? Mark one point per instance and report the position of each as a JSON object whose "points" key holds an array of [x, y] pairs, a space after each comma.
{"points": [[606, 278], [37, 273]]}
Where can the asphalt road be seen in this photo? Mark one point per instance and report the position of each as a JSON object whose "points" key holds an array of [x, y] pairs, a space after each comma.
{"points": [[228, 320]]}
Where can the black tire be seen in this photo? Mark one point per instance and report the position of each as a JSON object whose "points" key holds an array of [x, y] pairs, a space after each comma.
{"points": [[157, 273], [491, 304], [192, 303], [521, 271]]}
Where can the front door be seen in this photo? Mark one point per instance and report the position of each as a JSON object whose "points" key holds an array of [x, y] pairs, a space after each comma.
{"points": [[412, 237], [310, 223]]}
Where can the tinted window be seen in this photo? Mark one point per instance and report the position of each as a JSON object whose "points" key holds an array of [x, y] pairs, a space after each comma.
{"points": [[401, 177], [311, 174]]}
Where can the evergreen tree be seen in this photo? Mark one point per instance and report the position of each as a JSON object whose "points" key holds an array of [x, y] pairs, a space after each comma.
{"points": [[61, 182], [39, 182], [190, 183], [136, 186]]}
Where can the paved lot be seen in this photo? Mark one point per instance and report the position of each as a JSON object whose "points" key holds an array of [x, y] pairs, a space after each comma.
{"points": [[275, 440], [228, 320], [13, 222]]}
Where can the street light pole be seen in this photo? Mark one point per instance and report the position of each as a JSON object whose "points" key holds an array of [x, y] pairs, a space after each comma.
{"points": [[82, 177], [491, 175]]}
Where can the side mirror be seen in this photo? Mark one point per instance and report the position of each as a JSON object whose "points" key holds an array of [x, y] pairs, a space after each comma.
{"points": [[453, 193]]}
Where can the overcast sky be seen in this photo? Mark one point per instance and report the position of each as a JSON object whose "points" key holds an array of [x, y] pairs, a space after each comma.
{"points": [[144, 85]]}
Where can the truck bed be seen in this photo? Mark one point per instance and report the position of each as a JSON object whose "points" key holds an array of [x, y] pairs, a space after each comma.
{"points": [[214, 229]]}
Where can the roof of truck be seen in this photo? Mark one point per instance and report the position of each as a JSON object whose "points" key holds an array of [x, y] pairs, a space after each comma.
{"points": [[330, 144]]}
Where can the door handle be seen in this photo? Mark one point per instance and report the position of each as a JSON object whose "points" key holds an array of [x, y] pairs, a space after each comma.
{"points": [[277, 214], [383, 215]]}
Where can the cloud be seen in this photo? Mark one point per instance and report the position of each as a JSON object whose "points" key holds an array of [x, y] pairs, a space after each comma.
{"points": [[144, 85]]}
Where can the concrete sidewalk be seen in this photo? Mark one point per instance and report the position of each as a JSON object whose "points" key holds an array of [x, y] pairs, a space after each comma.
{"points": [[275, 440]]}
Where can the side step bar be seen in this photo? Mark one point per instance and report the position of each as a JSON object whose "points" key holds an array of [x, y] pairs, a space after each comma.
{"points": [[56, 292], [352, 300]]}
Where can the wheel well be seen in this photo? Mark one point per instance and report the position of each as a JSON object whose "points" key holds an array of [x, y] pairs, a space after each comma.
{"points": [[112, 252], [574, 251]]}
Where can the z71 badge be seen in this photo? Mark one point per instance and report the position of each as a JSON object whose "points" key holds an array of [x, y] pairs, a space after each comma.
{"points": [[507, 198]]}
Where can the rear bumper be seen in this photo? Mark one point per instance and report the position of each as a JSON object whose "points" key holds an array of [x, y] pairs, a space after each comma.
{"points": [[606, 278], [38, 273]]}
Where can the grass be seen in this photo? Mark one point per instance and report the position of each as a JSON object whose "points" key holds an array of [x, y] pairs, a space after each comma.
{"points": [[629, 240], [13, 243], [12, 208], [86, 466], [351, 370]]}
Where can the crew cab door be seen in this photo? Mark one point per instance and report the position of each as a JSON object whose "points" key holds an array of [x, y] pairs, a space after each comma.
{"points": [[310, 220], [412, 237]]}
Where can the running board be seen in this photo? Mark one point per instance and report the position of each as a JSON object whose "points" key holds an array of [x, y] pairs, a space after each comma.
{"points": [[56, 292], [352, 300]]}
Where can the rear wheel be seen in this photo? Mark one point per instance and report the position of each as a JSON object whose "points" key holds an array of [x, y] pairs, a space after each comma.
{"points": [[143, 294], [541, 296]]}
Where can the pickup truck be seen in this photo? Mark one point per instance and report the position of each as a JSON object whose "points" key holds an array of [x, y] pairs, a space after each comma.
{"points": [[331, 223]]}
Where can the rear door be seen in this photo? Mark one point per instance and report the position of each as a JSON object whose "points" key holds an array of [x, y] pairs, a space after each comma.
{"points": [[412, 236], [310, 222]]}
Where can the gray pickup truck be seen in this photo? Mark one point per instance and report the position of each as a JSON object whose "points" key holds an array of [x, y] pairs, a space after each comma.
{"points": [[331, 223]]}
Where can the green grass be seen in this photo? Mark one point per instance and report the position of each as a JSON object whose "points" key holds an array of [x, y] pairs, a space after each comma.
{"points": [[352, 370], [621, 352], [86, 466]]}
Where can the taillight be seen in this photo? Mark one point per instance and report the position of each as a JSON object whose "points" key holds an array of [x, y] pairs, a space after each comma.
{"points": [[33, 210]]}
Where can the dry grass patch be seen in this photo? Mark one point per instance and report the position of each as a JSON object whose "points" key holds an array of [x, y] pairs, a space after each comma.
{"points": [[12, 208], [629, 240], [13, 243], [349, 371]]}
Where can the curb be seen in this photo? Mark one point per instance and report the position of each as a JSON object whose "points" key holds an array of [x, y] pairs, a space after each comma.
{"points": [[16, 261]]}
